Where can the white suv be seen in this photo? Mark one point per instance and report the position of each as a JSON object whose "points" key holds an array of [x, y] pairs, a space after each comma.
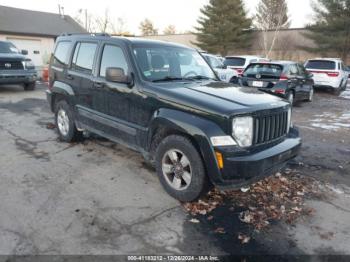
{"points": [[328, 73], [240, 63], [226, 75]]}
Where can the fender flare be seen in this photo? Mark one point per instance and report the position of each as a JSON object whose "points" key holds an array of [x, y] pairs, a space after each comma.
{"points": [[60, 88], [198, 128]]}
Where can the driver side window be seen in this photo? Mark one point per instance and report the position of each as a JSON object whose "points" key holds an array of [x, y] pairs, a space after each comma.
{"points": [[113, 56]]}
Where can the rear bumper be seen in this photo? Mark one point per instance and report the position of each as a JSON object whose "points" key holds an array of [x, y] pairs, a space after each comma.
{"points": [[327, 84], [245, 169], [17, 76]]}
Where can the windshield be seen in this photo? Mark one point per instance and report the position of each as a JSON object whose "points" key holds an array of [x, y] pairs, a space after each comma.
{"points": [[166, 63], [321, 64], [8, 48], [264, 70], [234, 61]]}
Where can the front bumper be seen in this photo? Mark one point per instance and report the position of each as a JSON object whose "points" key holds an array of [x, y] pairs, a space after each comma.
{"points": [[243, 169], [18, 76]]}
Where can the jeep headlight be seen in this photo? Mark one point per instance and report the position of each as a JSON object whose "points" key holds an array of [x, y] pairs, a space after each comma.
{"points": [[242, 130]]}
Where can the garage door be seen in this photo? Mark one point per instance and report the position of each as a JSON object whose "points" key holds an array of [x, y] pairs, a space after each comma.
{"points": [[33, 47]]}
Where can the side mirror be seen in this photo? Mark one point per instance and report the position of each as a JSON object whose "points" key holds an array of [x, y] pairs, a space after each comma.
{"points": [[310, 75], [24, 52], [117, 75]]}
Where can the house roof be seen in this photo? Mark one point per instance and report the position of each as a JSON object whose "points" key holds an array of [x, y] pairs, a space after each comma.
{"points": [[35, 23]]}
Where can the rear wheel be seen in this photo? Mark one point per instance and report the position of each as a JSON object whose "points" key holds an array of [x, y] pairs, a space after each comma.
{"points": [[180, 169], [29, 86], [64, 119], [311, 95]]}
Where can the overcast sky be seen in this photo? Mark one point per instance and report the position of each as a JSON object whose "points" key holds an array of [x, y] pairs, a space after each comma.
{"points": [[181, 13]]}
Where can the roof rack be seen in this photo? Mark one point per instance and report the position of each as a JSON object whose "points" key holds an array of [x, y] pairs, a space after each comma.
{"points": [[88, 34]]}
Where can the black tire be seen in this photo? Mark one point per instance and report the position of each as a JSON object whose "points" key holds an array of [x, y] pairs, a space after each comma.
{"points": [[199, 184], [234, 80], [72, 135], [29, 86]]}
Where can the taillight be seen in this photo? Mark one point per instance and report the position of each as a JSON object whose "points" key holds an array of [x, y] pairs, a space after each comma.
{"points": [[283, 78], [280, 91], [239, 71], [332, 74]]}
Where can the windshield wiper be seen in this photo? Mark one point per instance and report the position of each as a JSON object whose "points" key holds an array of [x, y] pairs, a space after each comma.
{"points": [[199, 77], [168, 79]]}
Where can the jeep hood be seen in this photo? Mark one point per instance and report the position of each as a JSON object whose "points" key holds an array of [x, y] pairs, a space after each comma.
{"points": [[218, 97]]}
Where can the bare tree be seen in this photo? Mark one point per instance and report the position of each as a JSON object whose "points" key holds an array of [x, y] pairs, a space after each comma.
{"points": [[271, 17], [85, 19], [103, 23], [170, 30]]}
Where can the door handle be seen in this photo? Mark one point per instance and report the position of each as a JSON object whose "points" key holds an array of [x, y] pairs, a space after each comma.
{"points": [[98, 84], [70, 77]]}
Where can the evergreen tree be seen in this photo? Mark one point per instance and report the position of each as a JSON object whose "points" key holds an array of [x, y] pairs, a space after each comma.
{"points": [[223, 26], [272, 14], [331, 28]]}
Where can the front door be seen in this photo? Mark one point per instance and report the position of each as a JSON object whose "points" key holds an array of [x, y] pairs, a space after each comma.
{"points": [[115, 114]]}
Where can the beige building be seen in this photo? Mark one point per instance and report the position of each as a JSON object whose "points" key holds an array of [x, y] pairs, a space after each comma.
{"points": [[35, 31], [288, 44]]}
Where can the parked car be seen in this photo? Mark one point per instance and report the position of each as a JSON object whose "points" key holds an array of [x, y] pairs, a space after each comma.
{"points": [[166, 102], [328, 73], [240, 63], [288, 80], [225, 74], [15, 68]]}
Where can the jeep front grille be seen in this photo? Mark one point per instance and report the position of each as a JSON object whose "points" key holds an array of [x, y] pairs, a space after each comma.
{"points": [[268, 128], [11, 65]]}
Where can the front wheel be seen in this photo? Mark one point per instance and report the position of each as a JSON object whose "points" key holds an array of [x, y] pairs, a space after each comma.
{"points": [[64, 119], [180, 169]]}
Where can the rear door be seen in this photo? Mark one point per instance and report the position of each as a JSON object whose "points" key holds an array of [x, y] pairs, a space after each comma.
{"points": [[295, 82], [305, 81], [80, 77]]}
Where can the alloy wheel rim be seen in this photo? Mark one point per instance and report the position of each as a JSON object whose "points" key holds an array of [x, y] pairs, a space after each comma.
{"points": [[63, 122], [177, 170]]}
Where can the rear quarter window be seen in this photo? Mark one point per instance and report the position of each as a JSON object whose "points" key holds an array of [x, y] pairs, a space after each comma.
{"points": [[61, 55], [321, 64], [235, 61]]}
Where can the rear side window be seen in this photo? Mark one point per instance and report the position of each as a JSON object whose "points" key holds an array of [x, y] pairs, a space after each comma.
{"points": [[321, 64], [235, 61], [264, 70], [61, 53], [83, 58], [113, 56]]}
